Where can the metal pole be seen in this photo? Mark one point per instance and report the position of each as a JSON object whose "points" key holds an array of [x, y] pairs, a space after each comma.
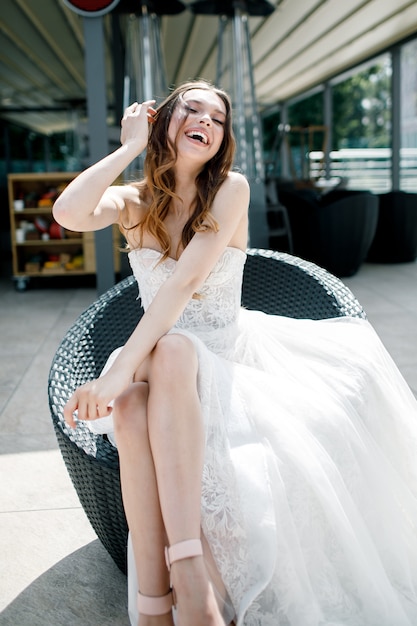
{"points": [[239, 92], [258, 167], [328, 123], [258, 228], [285, 147], [97, 131], [220, 50], [146, 49], [396, 118], [117, 67]]}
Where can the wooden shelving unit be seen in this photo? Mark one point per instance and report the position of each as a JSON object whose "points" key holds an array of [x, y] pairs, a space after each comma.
{"points": [[40, 247]]}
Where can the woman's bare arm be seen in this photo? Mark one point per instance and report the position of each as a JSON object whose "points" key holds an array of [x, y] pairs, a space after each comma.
{"points": [[89, 202]]}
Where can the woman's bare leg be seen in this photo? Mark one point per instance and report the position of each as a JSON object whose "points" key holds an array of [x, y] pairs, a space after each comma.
{"points": [[176, 435], [140, 496]]}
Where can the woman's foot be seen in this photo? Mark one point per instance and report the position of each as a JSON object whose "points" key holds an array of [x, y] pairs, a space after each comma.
{"points": [[194, 596]]}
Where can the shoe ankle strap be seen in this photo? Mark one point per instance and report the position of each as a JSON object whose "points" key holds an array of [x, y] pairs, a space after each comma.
{"points": [[183, 550], [155, 605]]}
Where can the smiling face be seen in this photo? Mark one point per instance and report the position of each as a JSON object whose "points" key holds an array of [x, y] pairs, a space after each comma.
{"points": [[193, 124], [197, 124]]}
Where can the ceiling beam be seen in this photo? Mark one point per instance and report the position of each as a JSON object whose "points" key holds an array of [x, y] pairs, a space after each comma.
{"points": [[52, 42]]}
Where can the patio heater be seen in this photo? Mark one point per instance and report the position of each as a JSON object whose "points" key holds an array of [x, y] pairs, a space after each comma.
{"points": [[235, 75], [144, 72]]}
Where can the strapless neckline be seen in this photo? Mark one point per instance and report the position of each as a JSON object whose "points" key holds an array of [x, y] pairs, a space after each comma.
{"points": [[158, 253]]}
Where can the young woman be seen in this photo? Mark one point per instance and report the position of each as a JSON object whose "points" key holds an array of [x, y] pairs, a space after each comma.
{"points": [[275, 457]]}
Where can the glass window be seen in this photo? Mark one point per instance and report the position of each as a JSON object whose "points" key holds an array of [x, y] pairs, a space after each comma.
{"points": [[306, 134], [302, 136], [361, 154], [272, 138], [408, 160]]}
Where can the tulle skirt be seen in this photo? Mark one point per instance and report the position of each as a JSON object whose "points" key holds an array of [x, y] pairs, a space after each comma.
{"points": [[310, 479]]}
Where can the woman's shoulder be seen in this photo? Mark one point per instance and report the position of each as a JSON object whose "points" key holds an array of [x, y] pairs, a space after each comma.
{"points": [[236, 187], [237, 179], [231, 206]]}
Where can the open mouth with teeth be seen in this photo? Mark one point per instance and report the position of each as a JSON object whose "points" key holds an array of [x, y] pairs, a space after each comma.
{"points": [[198, 136]]}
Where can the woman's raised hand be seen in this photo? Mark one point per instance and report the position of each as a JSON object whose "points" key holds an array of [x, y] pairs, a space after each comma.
{"points": [[135, 123]]}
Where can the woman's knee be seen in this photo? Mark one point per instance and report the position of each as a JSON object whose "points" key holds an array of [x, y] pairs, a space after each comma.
{"points": [[174, 356], [130, 410]]}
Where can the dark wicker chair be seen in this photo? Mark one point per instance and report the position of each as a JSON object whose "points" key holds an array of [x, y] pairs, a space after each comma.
{"points": [[273, 282]]}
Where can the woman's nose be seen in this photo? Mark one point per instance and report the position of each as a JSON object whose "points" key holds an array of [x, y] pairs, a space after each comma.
{"points": [[205, 119]]}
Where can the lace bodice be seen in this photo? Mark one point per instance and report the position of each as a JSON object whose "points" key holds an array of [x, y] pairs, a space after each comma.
{"points": [[213, 312]]}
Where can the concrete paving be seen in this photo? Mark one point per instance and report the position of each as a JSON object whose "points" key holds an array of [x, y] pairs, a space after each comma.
{"points": [[53, 569]]}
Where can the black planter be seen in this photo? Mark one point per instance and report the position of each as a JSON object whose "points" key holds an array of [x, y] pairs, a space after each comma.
{"points": [[395, 238], [335, 230]]}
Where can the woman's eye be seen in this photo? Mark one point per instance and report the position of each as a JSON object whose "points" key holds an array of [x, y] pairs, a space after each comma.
{"points": [[191, 110], [219, 122]]}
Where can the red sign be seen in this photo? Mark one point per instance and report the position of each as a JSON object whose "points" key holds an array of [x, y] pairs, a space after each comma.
{"points": [[91, 8]]}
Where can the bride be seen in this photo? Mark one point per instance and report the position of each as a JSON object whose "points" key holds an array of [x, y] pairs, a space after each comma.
{"points": [[268, 465]]}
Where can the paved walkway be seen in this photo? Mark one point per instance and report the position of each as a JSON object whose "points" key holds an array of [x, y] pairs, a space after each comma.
{"points": [[53, 569]]}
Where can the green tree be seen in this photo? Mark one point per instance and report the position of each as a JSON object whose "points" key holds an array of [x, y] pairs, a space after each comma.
{"points": [[362, 108], [361, 112]]}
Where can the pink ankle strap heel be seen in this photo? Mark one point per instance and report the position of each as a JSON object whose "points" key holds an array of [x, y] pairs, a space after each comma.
{"points": [[155, 605], [183, 550]]}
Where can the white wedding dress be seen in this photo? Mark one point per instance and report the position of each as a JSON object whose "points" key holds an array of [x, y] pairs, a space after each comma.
{"points": [[310, 479]]}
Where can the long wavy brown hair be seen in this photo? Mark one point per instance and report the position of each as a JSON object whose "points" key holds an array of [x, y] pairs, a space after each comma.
{"points": [[157, 189]]}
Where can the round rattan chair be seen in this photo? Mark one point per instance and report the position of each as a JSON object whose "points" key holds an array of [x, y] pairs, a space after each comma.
{"points": [[274, 282]]}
